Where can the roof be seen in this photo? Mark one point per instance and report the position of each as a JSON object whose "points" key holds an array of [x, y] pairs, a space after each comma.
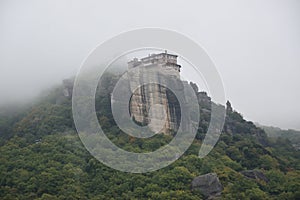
{"points": [[155, 55]]}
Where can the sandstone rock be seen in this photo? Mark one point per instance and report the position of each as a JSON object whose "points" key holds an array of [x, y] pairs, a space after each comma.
{"points": [[68, 87], [209, 185], [162, 69]]}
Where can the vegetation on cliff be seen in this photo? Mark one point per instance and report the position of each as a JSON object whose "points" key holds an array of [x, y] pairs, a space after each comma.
{"points": [[42, 157]]}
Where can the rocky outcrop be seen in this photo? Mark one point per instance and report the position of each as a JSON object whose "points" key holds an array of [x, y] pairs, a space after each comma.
{"points": [[255, 174], [147, 97], [155, 104], [228, 107], [209, 185], [68, 87]]}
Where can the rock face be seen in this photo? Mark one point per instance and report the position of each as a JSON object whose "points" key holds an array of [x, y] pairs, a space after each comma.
{"points": [[255, 174], [68, 87], [209, 185], [155, 104]]}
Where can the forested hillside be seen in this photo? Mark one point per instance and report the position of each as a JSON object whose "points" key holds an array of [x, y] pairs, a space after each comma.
{"points": [[292, 135], [42, 157]]}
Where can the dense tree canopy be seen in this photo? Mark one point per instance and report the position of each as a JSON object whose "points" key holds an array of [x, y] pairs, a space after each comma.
{"points": [[42, 157]]}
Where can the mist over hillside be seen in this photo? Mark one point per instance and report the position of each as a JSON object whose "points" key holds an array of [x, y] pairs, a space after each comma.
{"points": [[67, 132], [42, 157], [274, 132], [254, 44]]}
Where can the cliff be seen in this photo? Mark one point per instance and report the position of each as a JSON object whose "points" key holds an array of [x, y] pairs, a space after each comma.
{"points": [[156, 105], [152, 102]]}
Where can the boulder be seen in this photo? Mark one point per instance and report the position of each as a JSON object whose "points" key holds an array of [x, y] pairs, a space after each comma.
{"points": [[208, 184]]}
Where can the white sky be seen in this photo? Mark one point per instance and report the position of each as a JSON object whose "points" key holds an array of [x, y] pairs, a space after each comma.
{"points": [[255, 45]]}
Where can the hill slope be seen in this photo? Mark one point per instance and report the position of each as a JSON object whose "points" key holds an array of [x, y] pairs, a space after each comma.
{"points": [[292, 135], [42, 157]]}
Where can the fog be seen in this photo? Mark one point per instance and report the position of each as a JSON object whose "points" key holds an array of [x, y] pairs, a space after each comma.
{"points": [[254, 44]]}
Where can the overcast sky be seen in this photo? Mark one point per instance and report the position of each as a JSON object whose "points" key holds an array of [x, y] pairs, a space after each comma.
{"points": [[255, 45]]}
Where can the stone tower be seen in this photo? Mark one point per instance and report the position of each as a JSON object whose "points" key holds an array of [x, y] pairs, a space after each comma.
{"points": [[154, 102]]}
